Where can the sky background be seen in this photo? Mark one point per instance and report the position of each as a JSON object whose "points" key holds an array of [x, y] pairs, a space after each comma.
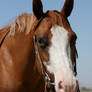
{"points": [[80, 20]]}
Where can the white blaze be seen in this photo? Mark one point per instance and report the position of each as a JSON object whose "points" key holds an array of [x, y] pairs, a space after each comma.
{"points": [[60, 62]]}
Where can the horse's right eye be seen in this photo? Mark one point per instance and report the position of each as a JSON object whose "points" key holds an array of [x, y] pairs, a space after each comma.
{"points": [[42, 42]]}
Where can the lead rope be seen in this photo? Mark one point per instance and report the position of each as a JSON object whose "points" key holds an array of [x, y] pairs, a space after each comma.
{"points": [[47, 78]]}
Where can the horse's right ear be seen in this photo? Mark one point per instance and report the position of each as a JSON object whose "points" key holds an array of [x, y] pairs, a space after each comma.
{"points": [[38, 8], [67, 8]]}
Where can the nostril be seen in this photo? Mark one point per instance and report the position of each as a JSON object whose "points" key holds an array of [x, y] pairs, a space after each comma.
{"points": [[60, 85]]}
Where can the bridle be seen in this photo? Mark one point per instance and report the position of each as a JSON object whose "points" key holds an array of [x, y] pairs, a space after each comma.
{"points": [[48, 80]]}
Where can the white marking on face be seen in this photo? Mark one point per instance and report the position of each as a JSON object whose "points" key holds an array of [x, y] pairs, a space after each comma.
{"points": [[60, 57]]}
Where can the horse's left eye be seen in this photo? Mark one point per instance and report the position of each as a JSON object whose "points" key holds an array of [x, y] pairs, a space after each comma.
{"points": [[42, 42]]}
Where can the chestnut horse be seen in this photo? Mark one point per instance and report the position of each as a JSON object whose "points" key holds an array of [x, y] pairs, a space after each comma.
{"points": [[38, 52]]}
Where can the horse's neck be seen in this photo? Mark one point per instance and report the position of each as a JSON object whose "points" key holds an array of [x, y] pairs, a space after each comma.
{"points": [[19, 47]]}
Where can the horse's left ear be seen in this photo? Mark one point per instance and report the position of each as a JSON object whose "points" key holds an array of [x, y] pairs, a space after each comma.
{"points": [[67, 8], [38, 8]]}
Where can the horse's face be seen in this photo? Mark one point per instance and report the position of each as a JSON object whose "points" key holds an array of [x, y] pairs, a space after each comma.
{"points": [[56, 45]]}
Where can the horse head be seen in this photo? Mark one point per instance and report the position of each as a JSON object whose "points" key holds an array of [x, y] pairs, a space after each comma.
{"points": [[56, 45]]}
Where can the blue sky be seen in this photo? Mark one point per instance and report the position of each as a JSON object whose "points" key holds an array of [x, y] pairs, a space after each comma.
{"points": [[80, 20]]}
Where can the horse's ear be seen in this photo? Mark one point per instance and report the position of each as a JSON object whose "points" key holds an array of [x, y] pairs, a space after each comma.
{"points": [[38, 8], [67, 8]]}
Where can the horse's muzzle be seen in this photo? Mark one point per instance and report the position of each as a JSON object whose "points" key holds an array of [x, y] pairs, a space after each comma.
{"points": [[75, 88]]}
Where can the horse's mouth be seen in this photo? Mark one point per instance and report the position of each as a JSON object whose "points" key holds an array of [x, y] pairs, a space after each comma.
{"points": [[51, 86]]}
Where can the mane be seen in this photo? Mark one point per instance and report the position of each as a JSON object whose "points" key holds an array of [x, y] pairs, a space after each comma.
{"points": [[25, 21]]}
